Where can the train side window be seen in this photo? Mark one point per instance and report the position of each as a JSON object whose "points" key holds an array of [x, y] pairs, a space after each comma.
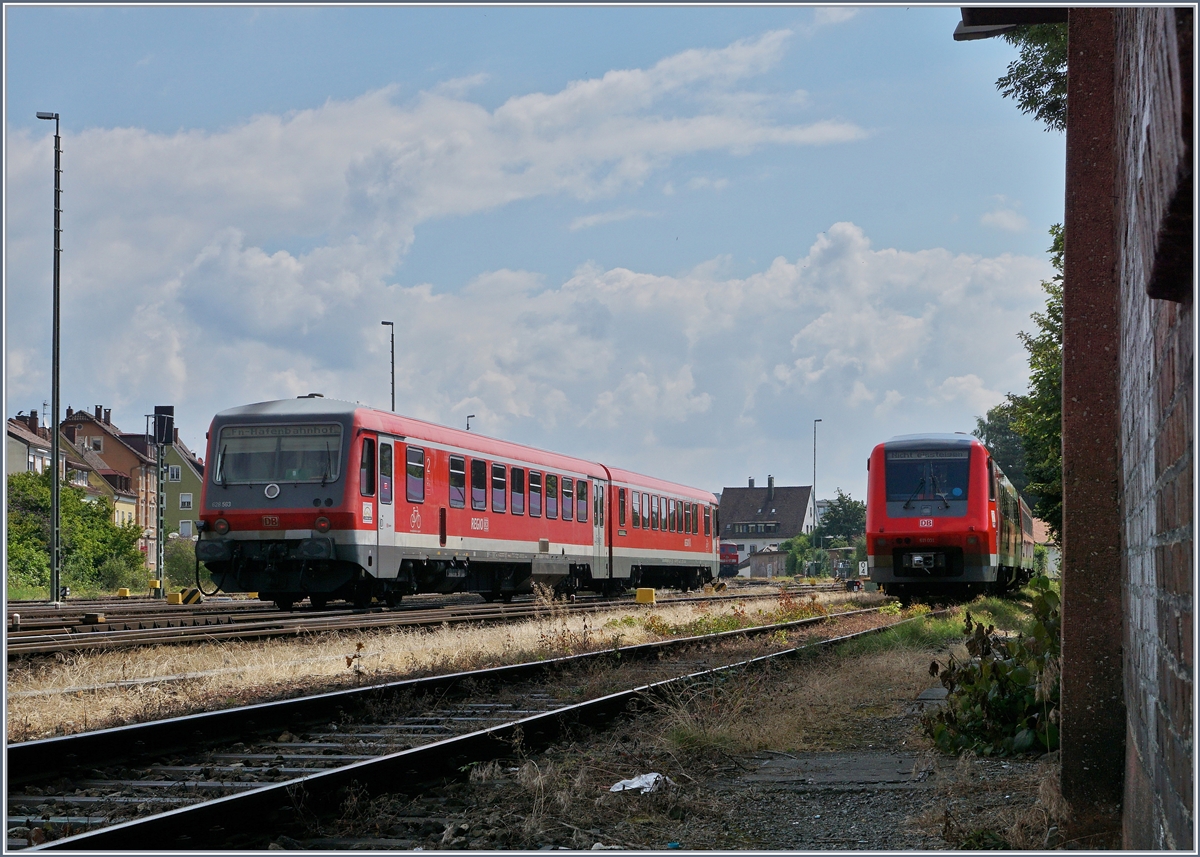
{"points": [[366, 469], [600, 505], [645, 511], [636, 511], [458, 482], [518, 491], [535, 494], [478, 484], [696, 519], [385, 473], [991, 480], [687, 517], [654, 512], [707, 520], [581, 500], [621, 508], [499, 488], [551, 495], [568, 498], [671, 515], [416, 475]]}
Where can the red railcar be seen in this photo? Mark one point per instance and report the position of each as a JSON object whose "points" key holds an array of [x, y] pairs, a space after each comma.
{"points": [[325, 499], [943, 519]]}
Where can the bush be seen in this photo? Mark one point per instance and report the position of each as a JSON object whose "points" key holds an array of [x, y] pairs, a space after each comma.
{"points": [[179, 565], [1003, 701]]}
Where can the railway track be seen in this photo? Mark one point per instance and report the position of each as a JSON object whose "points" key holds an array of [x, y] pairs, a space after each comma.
{"points": [[226, 779], [49, 630]]}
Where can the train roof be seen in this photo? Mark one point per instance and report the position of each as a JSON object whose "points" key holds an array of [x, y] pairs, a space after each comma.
{"points": [[316, 407], [923, 441]]}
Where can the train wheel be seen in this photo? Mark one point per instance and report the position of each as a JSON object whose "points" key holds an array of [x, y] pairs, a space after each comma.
{"points": [[285, 602], [393, 599], [507, 597], [362, 597], [489, 597], [318, 602]]}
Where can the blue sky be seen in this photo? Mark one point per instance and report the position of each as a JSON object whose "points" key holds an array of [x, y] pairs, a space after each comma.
{"points": [[667, 238]]}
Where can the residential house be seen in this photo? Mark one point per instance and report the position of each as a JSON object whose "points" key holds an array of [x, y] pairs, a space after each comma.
{"points": [[118, 450], [756, 519], [27, 449], [112, 484], [185, 478]]}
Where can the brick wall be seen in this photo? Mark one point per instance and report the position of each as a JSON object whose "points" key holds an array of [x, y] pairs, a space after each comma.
{"points": [[1153, 92]]}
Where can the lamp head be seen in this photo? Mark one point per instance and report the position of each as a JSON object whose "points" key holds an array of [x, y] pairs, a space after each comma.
{"points": [[42, 114]]}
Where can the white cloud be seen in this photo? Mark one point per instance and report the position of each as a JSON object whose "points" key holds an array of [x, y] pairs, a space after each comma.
{"points": [[1005, 216], [209, 269], [590, 220]]}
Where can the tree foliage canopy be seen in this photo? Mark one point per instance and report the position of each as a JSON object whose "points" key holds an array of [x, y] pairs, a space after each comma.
{"points": [[996, 432], [91, 543], [1037, 78], [845, 518], [1037, 416]]}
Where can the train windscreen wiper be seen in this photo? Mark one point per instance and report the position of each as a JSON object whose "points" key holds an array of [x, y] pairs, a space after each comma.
{"points": [[221, 467], [914, 494], [328, 464], [941, 496]]}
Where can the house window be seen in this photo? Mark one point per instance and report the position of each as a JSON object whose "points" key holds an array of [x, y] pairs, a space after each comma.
{"points": [[174, 473], [458, 482], [185, 529], [185, 501], [97, 444]]}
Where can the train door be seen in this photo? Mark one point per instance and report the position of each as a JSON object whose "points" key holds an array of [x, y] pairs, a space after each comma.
{"points": [[387, 504], [600, 563]]}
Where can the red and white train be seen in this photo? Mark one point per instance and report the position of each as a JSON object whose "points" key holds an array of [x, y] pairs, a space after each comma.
{"points": [[317, 498], [943, 519]]}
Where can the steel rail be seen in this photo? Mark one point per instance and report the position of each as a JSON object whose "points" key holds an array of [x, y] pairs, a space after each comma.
{"points": [[275, 624], [43, 758], [211, 824]]}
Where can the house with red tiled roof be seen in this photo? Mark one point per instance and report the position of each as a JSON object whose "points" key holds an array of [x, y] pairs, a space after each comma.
{"points": [[95, 433]]}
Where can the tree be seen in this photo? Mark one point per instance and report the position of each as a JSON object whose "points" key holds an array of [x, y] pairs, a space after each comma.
{"points": [[1037, 78], [844, 518], [996, 432], [90, 541], [1037, 416]]}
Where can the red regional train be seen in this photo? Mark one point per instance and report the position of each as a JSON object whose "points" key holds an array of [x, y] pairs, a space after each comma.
{"points": [[316, 498], [943, 519]]}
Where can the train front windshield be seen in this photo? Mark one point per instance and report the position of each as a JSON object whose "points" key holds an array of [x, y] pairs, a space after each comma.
{"points": [[927, 474], [278, 453]]}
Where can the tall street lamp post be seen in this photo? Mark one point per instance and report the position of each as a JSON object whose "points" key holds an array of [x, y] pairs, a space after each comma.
{"points": [[392, 328], [814, 485], [55, 511]]}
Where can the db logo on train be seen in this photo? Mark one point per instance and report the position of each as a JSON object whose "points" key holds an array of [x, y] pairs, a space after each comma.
{"points": [[926, 522], [270, 520]]}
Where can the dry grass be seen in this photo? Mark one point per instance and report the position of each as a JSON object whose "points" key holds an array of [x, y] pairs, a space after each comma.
{"points": [[998, 804], [90, 690]]}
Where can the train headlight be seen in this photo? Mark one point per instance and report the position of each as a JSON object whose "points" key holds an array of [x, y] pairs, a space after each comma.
{"points": [[972, 540], [322, 524], [221, 526], [881, 543]]}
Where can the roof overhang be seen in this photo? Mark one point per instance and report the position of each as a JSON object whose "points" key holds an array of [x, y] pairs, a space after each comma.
{"points": [[984, 22]]}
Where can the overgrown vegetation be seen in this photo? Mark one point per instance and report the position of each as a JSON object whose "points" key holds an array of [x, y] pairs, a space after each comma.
{"points": [[1003, 700], [97, 554], [787, 608]]}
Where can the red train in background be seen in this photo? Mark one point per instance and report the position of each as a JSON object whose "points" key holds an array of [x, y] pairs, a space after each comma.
{"points": [[323, 499], [943, 519]]}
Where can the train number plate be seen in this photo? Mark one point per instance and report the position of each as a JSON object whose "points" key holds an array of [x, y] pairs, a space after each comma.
{"points": [[270, 520], [925, 522]]}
